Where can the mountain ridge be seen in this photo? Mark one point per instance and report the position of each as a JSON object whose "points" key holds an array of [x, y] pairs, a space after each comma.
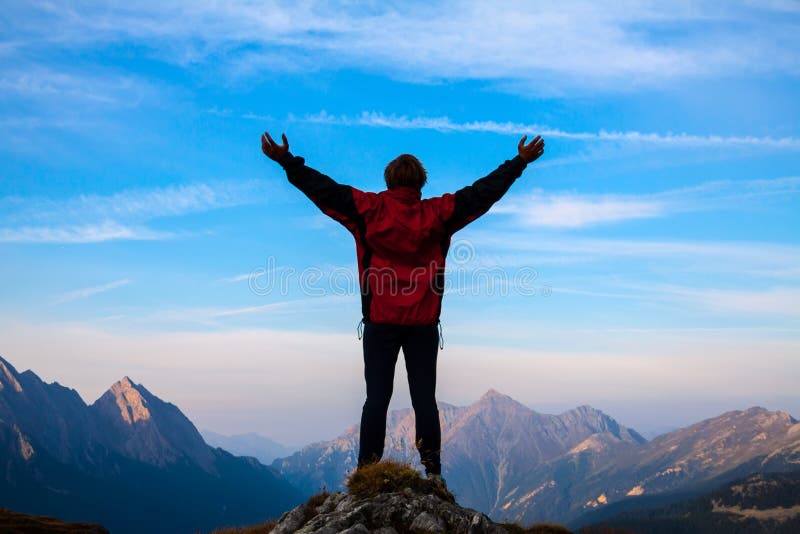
{"points": [[514, 463], [83, 462], [499, 456], [494, 418]]}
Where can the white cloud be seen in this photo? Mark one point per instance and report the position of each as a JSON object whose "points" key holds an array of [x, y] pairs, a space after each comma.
{"points": [[37, 82], [292, 306], [574, 210], [543, 45], [741, 259], [90, 291], [770, 301], [94, 218], [728, 251], [90, 233], [237, 278], [141, 204], [444, 124]]}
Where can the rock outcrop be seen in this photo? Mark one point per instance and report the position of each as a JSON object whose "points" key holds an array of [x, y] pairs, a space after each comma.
{"points": [[392, 498], [388, 513]]}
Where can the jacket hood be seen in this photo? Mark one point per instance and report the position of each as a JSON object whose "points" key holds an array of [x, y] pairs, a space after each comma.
{"points": [[404, 192]]}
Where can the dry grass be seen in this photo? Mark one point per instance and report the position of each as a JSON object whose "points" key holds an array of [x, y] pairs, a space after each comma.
{"points": [[313, 503], [388, 476]]}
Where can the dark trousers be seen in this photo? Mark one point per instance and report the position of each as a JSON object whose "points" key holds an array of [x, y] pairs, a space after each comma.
{"points": [[382, 344]]}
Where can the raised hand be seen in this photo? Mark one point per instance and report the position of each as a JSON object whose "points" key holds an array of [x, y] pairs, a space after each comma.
{"points": [[272, 149], [531, 151]]}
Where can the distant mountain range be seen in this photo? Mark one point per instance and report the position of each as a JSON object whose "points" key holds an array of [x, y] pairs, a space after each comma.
{"points": [[136, 464], [515, 464], [262, 448], [129, 461]]}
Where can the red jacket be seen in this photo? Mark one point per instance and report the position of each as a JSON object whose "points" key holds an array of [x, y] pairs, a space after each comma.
{"points": [[401, 239]]}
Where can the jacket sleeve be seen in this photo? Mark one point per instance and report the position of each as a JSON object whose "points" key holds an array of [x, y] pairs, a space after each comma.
{"points": [[470, 202], [342, 203]]}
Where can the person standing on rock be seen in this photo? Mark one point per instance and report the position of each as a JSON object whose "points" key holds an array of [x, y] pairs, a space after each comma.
{"points": [[401, 243]]}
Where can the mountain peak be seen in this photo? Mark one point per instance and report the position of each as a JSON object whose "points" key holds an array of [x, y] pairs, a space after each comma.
{"points": [[133, 406], [495, 400], [147, 428], [126, 383], [587, 411], [8, 376], [492, 393]]}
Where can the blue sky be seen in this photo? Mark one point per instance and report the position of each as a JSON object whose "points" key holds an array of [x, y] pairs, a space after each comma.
{"points": [[647, 264]]}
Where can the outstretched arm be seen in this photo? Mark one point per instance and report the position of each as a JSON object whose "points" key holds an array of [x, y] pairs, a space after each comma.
{"points": [[472, 201], [336, 200]]}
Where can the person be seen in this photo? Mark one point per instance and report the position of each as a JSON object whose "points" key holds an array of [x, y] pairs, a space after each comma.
{"points": [[401, 244]]}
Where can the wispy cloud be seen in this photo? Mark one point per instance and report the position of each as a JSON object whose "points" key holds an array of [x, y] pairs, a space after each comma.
{"points": [[90, 233], [90, 291], [119, 216], [511, 241], [772, 301], [140, 204], [731, 258], [237, 278], [39, 82], [542, 45], [256, 273], [444, 124], [293, 306], [574, 210]]}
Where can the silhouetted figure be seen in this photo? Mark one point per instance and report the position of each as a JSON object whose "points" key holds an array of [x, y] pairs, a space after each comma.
{"points": [[401, 243]]}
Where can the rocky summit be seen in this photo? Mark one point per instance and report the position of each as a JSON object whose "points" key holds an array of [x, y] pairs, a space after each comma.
{"points": [[392, 498], [388, 513]]}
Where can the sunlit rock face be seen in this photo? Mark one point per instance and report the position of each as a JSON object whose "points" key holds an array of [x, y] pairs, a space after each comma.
{"points": [[8, 377], [148, 429], [131, 404]]}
